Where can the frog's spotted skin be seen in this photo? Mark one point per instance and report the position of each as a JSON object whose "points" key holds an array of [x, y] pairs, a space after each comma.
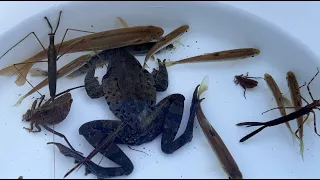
{"points": [[130, 92]]}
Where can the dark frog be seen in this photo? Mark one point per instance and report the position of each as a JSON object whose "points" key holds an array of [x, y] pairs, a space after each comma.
{"points": [[130, 92]]}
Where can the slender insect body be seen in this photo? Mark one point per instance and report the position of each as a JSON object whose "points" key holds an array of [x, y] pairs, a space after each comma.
{"points": [[306, 110], [52, 55], [52, 67], [52, 59], [303, 111]]}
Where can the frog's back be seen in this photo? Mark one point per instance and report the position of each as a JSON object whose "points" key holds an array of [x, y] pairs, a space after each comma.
{"points": [[128, 88]]}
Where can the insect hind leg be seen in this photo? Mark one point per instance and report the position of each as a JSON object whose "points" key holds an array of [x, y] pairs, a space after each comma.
{"points": [[301, 125], [277, 108], [25, 78], [308, 86], [65, 33], [60, 135], [31, 127], [315, 123], [244, 92], [23, 40]]}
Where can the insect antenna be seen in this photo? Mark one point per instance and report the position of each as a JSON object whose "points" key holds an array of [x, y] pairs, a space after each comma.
{"points": [[57, 23], [49, 24]]}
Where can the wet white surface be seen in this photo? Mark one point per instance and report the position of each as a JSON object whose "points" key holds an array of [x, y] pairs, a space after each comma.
{"points": [[270, 154]]}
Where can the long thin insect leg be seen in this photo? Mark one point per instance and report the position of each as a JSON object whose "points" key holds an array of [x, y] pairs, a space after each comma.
{"points": [[58, 22], [254, 77], [138, 150], [310, 83], [41, 100], [303, 85], [304, 99], [34, 104], [302, 125], [31, 127], [60, 135], [247, 76], [77, 44], [24, 39], [277, 108], [66, 34], [23, 67], [38, 128], [315, 123], [244, 92], [69, 90], [28, 63], [74, 44], [25, 78], [100, 160]]}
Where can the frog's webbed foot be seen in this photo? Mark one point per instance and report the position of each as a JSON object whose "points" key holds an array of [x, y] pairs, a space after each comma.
{"points": [[161, 77], [95, 132], [92, 86], [172, 123]]}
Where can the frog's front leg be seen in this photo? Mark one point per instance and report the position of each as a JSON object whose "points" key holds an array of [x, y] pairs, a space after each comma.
{"points": [[92, 86], [161, 77]]}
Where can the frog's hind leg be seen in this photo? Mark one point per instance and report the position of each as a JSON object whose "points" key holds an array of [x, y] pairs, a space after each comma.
{"points": [[115, 154], [161, 77], [95, 132], [92, 86], [90, 167], [172, 123]]}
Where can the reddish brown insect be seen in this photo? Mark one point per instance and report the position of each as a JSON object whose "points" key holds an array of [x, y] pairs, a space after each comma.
{"points": [[50, 113], [246, 82]]}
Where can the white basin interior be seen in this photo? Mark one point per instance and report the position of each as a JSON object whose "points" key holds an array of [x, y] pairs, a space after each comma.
{"points": [[213, 27]]}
